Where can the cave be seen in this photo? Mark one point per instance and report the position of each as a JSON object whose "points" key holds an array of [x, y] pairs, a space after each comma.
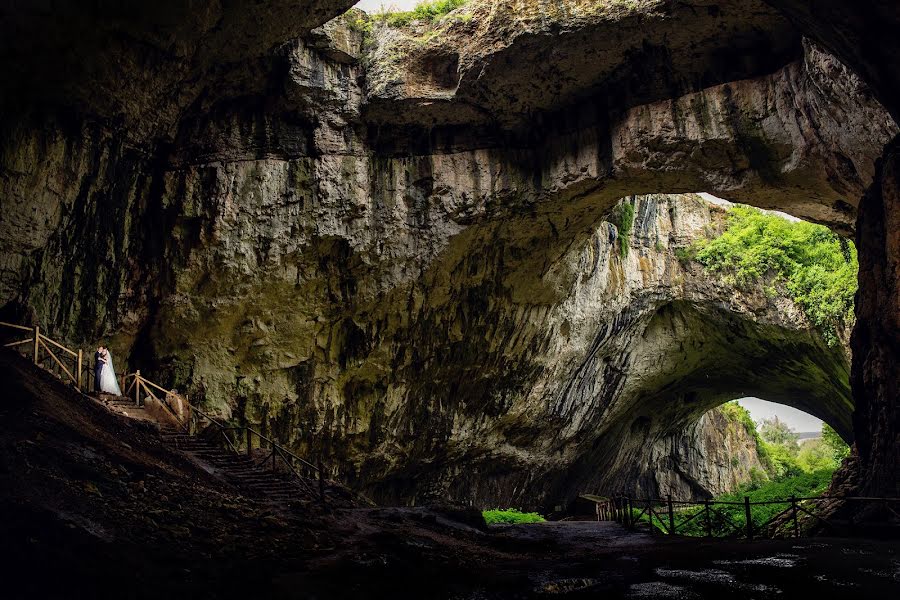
{"points": [[722, 453], [398, 249]]}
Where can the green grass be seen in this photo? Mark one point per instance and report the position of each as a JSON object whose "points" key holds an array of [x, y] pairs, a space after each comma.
{"points": [[725, 518], [510, 516], [814, 266]]}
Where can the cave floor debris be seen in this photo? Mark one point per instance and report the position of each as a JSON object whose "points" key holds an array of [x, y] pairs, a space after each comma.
{"points": [[96, 505]]}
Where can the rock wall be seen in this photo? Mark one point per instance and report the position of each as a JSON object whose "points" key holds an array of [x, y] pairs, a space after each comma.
{"points": [[714, 455], [875, 377], [326, 239]]}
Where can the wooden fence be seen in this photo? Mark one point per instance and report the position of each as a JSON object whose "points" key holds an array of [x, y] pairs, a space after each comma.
{"points": [[712, 518], [65, 363], [69, 365]]}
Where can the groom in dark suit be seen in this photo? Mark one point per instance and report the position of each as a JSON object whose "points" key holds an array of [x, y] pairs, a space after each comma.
{"points": [[98, 367]]}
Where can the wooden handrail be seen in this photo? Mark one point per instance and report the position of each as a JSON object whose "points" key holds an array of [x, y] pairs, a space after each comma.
{"points": [[14, 326], [140, 381], [275, 444], [764, 502], [59, 362], [44, 338], [39, 340], [788, 517]]}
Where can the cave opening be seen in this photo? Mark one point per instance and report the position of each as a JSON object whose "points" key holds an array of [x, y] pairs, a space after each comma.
{"points": [[427, 252], [741, 447], [714, 311], [806, 278]]}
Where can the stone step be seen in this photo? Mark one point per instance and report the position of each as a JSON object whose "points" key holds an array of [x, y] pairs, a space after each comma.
{"points": [[195, 444], [264, 490], [262, 480], [247, 473], [267, 477], [258, 481], [276, 493], [268, 487], [274, 488], [220, 458]]}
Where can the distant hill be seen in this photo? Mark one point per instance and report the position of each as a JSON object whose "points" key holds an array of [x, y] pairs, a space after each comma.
{"points": [[808, 435]]}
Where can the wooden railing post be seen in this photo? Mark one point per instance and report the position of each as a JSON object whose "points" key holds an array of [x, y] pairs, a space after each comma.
{"points": [[794, 516], [630, 522], [37, 341], [137, 387], [80, 375], [747, 516], [249, 441], [708, 519], [671, 514]]}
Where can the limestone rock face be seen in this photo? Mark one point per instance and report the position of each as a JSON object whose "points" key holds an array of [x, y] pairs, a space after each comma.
{"points": [[142, 67], [509, 61], [862, 34], [712, 456], [393, 252], [876, 379]]}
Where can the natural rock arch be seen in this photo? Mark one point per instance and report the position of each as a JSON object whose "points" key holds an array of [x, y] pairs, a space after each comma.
{"points": [[294, 216], [702, 357]]}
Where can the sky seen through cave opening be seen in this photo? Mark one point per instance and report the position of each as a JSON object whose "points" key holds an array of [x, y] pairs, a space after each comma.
{"points": [[797, 420], [377, 6]]}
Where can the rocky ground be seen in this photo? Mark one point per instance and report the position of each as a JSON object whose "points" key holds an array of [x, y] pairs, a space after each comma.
{"points": [[94, 505]]}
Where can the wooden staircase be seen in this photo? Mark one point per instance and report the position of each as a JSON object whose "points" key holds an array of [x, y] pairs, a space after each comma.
{"points": [[242, 471], [265, 469]]}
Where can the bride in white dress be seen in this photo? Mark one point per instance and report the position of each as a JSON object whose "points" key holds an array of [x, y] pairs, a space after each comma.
{"points": [[108, 382]]}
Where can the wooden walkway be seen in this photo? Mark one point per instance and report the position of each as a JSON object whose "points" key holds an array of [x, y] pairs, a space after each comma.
{"points": [[252, 462]]}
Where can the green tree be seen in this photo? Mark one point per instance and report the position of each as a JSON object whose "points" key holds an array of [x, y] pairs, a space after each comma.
{"points": [[838, 447], [782, 461], [815, 455], [817, 268], [780, 449], [777, 432], [424, 11]]}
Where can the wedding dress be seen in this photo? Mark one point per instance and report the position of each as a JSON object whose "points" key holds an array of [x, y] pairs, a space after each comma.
{"points": [[108, 382]]}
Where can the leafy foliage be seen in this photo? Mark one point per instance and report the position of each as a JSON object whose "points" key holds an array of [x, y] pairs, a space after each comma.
{"points": [[623, 218], [779, 451], [781, 460], [838, 447], [738, 414], [725, 518], [510, 516], [424, 11], [358, 21], [816, 267], [776, 431], [815, 455]]}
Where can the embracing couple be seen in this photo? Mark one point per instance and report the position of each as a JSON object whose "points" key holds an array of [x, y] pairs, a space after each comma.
{"points": [[104, 375]]}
